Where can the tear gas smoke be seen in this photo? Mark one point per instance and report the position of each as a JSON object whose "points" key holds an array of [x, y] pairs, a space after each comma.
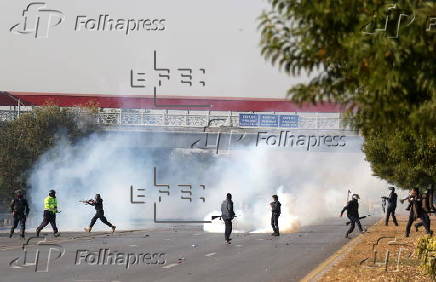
{"points": [[255, 219], [311, 186]]}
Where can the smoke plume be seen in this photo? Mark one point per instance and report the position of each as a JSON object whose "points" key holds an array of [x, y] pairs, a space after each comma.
{"points": [[311, 186]]}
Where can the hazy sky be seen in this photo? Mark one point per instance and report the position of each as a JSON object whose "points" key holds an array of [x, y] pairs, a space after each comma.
{"points": [[218, 35]]}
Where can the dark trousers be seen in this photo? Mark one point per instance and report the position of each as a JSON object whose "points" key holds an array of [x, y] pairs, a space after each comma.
{"points": [[48, 217], [275, 222], [228, 231], [99, 215], [354, 220], [425, 221], [391, 212], [19, 218]]}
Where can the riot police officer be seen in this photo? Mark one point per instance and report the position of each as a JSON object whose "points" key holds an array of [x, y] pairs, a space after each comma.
{"points": [[49, 216], [352, 209], [416, 211], [392, 206], [227, 214], [275, 213], [99, 213], [20, 210]]}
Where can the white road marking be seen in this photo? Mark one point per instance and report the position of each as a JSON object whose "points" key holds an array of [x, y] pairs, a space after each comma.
{"points": [[211, 254], [170, 265]]}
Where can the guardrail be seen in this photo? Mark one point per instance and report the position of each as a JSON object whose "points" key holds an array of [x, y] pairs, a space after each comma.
{"points": [[190, 120]]}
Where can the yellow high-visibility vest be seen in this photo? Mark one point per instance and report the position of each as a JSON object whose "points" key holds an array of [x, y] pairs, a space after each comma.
{"points": [[51, 204]]}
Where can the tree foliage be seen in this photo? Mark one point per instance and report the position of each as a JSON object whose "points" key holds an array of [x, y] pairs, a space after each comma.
{"points": [[384, 76], [23, 140], [402, 157]]}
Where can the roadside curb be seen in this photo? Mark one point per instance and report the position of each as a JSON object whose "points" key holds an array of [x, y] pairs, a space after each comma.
{"points": [[317, 273]]}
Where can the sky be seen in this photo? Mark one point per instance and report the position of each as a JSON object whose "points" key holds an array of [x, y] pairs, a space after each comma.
{"points": [[217, 39]]}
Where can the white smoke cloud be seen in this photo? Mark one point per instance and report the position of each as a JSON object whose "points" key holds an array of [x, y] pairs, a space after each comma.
{"points": [[311, 186]]}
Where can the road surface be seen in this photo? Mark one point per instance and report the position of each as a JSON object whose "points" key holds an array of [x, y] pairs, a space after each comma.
{"points": [[170, 254]]}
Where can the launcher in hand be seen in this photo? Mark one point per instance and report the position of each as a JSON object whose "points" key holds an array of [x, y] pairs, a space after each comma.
{"points": [[218, 216], [362, 217], [402, 200], [87, 202]]}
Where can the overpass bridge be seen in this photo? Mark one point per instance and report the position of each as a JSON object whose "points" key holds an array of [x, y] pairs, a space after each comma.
{"points": [[225, 125]]}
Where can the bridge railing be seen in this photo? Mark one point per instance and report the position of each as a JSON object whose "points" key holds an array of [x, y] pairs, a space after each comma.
{"points": [[206, 120], [192, 119]]}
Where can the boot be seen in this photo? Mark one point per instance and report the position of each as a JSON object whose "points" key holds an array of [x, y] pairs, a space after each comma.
{"points": [[113, 228], [274, 232]]}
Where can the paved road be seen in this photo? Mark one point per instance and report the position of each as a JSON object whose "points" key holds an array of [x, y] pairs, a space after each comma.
{"points": [[179, 254]]}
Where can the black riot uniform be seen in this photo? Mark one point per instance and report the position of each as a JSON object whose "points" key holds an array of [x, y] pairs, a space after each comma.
{"points": [[416, 211], [20, 210], [99, 213], [227, 214], [426, 210], [275, 213], [392, 206], [352, 209]]}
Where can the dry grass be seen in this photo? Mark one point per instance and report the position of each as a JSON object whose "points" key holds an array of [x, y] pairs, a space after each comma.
{"points": [[351, 268]]}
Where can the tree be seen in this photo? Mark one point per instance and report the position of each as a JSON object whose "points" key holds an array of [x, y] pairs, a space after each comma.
{"points": [[25, 139], [384, 76], [402, 157]]}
